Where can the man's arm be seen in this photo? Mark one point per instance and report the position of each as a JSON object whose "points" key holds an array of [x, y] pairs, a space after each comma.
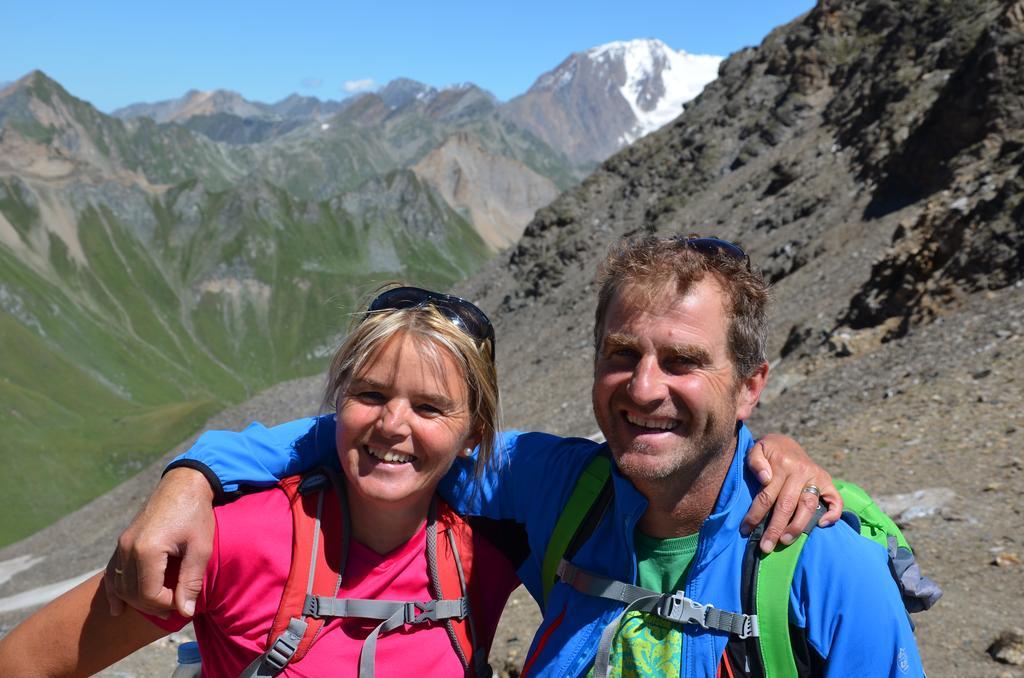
{"points": [[177, 520], [259, 456]]}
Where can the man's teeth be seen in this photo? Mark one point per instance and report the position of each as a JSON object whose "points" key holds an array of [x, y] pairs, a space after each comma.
{"points": [[661, 424], [389, 456]]}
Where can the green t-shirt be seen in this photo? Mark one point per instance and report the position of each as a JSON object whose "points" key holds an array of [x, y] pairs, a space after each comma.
{"points": [[647, 645]]}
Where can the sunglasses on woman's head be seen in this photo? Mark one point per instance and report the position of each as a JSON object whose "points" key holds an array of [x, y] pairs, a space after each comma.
{"points": [[463, 314]]}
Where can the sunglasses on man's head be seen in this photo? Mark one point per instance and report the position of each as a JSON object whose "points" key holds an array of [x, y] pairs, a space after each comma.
{"points": [[716, 247], [463, 314]]}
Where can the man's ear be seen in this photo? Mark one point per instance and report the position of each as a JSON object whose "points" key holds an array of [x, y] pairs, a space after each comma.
{"points": [[750, 392]]}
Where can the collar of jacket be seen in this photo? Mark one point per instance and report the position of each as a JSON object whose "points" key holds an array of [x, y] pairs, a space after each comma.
{"points": [[732, 504]]}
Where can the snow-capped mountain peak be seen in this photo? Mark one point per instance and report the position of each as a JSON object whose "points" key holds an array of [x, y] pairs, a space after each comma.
{"points": [[658, 79], [608, 96]]}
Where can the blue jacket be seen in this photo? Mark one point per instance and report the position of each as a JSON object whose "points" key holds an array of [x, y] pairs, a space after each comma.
{"points": [[842, 593]]}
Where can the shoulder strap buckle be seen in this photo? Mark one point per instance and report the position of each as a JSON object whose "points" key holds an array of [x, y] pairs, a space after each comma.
{"points": [[680, 609], [280, 653]]}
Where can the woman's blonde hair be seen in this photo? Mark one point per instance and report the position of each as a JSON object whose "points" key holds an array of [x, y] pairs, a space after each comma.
{"points": [[433, 333]]}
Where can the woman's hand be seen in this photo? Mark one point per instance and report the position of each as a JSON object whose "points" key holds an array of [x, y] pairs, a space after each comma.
{"points": [[176, 522], [785, 470]]}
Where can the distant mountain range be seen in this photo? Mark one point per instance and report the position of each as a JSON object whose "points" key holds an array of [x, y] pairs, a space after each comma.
{"points": [[591, 105], [162, 262]]}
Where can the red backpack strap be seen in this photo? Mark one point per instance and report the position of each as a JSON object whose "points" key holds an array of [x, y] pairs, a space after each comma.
{"points": [[321, 545], [454, 577]]}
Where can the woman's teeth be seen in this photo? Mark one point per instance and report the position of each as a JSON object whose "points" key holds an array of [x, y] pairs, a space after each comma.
{"points": [[660, 424], [389, 456]]}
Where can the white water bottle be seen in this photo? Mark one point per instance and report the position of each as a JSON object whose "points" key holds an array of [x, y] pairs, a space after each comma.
{"points": [[189, 665]]}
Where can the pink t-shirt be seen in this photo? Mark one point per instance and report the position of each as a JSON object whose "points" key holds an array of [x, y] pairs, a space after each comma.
{"points": [[247, 572]]}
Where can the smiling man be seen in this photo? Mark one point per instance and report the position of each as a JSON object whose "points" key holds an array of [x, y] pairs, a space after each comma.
{"points": [[650, 581], [680, 335]]}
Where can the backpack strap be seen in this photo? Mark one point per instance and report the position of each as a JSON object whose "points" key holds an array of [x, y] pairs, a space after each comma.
{"points": [[771, 578], [320, 532], [581, 515], [774, 581], [454, 567]]}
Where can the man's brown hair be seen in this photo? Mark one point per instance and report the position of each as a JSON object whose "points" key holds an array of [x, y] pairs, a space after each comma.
{"points": [[647, 264]]}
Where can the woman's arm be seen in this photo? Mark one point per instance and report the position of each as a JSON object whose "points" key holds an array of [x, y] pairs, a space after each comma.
{"points": [[74, 635]]}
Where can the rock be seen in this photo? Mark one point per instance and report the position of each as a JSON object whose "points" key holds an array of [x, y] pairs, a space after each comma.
{"points": [[1006, 560], [919, 504], [839, 344], [1008, 647]]}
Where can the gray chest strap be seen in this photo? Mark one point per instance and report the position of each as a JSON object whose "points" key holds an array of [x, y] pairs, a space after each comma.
{"points": [[674, 607], [392, 613]]}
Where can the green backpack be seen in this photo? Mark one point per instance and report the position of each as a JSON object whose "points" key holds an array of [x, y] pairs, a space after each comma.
{"points": [[767, 578]]}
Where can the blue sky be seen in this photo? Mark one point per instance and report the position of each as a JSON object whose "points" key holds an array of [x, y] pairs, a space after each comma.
{"points": [[116, 53]]}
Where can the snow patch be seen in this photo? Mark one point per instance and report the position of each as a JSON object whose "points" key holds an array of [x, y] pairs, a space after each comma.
{"points": [[9, 568], [683, 77], [42, 594]]}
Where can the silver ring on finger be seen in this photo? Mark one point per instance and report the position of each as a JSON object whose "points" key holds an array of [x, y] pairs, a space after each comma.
{"points": [[812, 489]]}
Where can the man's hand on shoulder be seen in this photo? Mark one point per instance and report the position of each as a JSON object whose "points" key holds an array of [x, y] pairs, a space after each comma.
{"points": [[785, 470], [175, 523]]}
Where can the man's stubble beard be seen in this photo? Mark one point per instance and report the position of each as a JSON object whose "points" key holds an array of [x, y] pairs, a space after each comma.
{"points": [[691, 456]]}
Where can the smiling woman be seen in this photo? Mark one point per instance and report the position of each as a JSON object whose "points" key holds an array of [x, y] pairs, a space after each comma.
{"points": [[413, 387], [412, 392]]}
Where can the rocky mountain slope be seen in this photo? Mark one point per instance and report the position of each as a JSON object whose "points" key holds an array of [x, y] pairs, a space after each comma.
{"points": [[868, 156], [498, 194]]}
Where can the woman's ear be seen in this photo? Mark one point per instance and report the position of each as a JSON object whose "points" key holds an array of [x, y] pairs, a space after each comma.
{"points": [[472, 440]]}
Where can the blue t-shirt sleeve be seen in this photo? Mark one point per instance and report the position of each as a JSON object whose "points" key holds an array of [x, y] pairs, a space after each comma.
{"points": [[846, 599], [259, 455]]}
